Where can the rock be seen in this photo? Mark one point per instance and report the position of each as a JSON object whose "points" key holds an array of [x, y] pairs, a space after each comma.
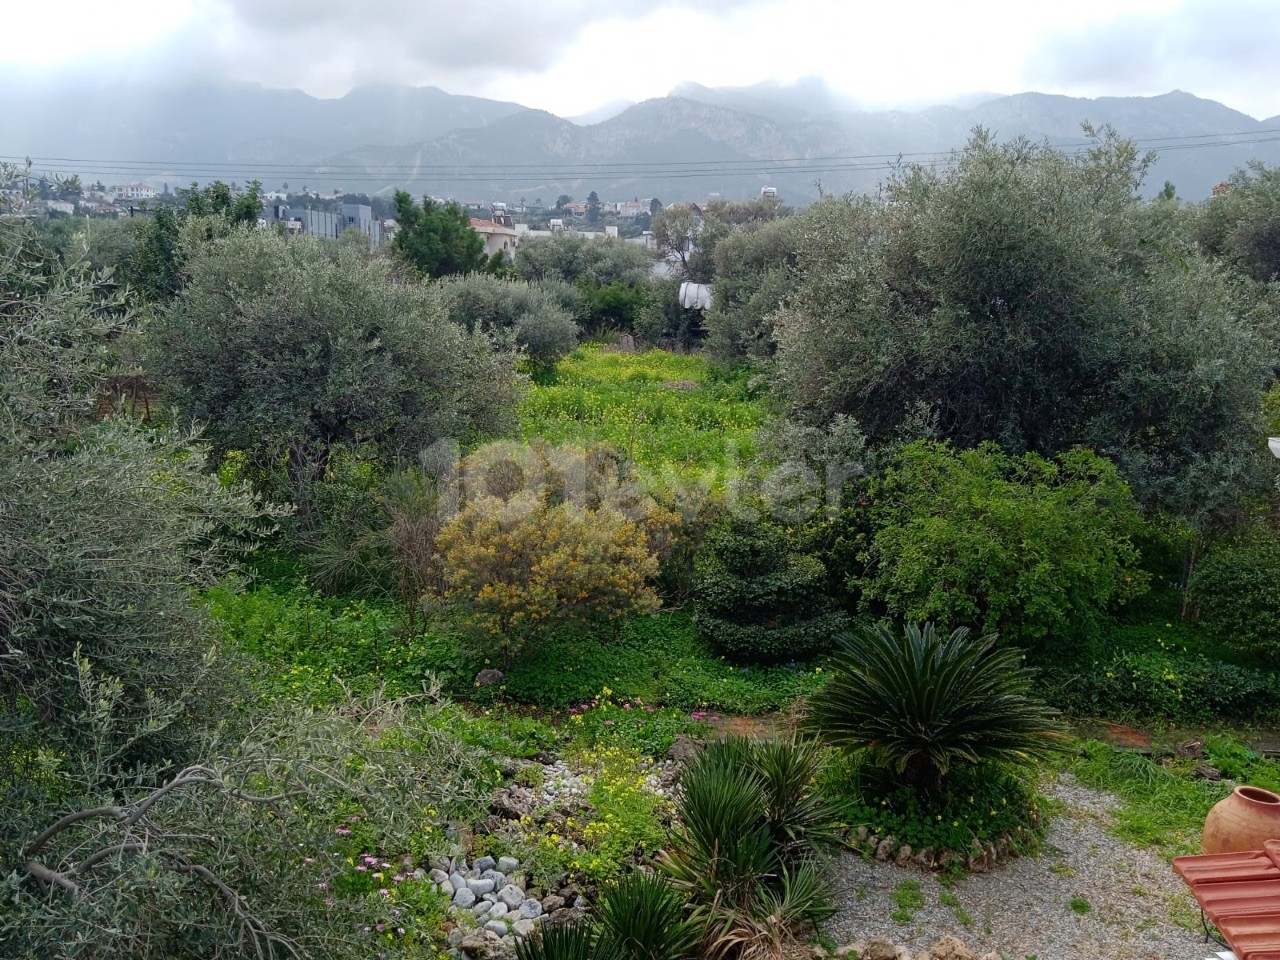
{"points": [[684, 749], [421, 874], [499, 879], [570, 893], [488, 678], [464, 898], [902, 953], [483, 907], [991, 956], [530, 908], [884, 850], [496, 926], [904, 855], [511, 895], [458, 881], [476, 945], [498, 910], [446, 888], [878, 948], [924, 858], [1192, 750], [507, 864], [511, 804], [1203, 771], [484, 863], [862, 833], [524, 927], [951, 948], [564, 915], [552, 903], [479, 887], [437, 876]]}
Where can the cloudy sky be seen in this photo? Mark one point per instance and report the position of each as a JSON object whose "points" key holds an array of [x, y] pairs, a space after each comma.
{"points": [[569, 56]]}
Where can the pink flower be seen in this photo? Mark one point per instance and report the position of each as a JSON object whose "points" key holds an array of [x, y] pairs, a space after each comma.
{"points": [[367, 858], [342, 831], [384, 892], [626, 706], [385, 865], [715, 719], [698, 715], [648, 709], [608, 723], [330, 902], [380, 927], [322, 885], [398, 878], [361, 867], [308, 860]]}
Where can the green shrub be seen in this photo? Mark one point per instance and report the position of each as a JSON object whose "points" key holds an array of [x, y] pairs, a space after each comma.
{"points": [[1038, 550], [759, 597], [1165, 685], [988, 804], [1237, 588], [922, 704]]}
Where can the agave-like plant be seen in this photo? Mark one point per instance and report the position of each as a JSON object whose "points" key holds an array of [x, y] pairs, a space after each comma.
{"points": [[744, 853], [644, 917], [562, 941], [921, 703]]}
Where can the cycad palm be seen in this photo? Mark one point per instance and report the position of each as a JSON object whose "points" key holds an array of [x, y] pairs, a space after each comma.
{"points": [[923, 704]]}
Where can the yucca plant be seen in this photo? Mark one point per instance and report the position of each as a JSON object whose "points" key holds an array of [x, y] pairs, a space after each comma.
{"points": [[750, 827], [644, 917], [562, 941], [921, 703]]}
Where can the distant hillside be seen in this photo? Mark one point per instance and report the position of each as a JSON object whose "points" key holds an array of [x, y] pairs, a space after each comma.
{"points": [[704, 141]]}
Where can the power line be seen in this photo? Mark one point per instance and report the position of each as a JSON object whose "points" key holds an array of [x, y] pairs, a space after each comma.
{"points": [[601, 172]]}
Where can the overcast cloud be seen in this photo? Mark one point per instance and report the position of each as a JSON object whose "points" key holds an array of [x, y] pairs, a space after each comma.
{"points": [[571, 55]]}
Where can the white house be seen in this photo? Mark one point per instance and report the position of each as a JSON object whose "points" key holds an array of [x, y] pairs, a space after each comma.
{"points": [[497, 237], [133, 191]]}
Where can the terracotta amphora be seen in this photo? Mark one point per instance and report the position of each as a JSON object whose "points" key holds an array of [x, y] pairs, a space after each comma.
{"points": [[1245, 820]]}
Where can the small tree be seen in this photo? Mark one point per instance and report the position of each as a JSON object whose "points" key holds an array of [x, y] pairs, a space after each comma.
{"points": [[1032, 548], [593, 207], [437, 239]]}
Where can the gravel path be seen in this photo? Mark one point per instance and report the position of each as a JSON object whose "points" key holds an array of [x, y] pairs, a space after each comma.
{"points": [[1137, 908]]}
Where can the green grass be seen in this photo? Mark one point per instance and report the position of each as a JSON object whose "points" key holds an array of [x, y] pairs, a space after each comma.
{"points": [[1079, 905], [907, 898], [316, 645], [675, 435], [952, 902]]}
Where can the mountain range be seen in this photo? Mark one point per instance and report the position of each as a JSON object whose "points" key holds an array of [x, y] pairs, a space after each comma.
{"points": [[694, 143]]}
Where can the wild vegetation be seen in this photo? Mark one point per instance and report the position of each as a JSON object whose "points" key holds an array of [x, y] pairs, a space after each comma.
{"points": [[329, 575]]}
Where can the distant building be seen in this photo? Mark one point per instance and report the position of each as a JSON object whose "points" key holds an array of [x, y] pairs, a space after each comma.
{"points": [[133, 191], [327, 223], [1220, 189], [768, 192], [499, 234], [60, 206]]}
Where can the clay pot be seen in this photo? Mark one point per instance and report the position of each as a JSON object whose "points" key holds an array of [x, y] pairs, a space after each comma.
{"points": [[1245, 820]]}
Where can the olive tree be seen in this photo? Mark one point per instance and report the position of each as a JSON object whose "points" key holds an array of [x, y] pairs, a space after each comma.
{"points": [[1021, 296], [534, 316], [285, 351]]}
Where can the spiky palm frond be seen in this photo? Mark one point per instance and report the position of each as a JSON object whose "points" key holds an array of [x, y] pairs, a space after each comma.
{"points": [[922, 703]]}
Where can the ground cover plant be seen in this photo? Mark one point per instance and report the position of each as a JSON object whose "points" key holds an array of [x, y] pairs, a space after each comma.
{"points": [[673, 414]]}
